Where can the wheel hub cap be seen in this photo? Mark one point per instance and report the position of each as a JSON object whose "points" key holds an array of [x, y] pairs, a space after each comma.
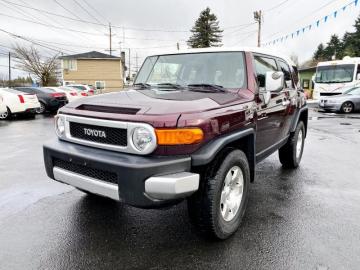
{"points": [[232, 193], [299, 144], [3, 115]]}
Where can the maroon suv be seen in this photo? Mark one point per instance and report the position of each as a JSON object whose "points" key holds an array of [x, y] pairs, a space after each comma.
{"points": [[194, 125]]}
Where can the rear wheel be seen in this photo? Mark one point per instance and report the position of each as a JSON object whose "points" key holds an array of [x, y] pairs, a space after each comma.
{"points": [[41, 109], [219, 205], [291, 153], [6, 115], [347, 107]]}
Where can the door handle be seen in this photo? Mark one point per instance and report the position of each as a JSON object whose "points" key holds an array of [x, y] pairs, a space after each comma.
{"points": [[286, 102]]}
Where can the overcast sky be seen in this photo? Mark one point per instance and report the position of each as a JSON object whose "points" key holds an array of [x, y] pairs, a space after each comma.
{"points": [[174, 18]]}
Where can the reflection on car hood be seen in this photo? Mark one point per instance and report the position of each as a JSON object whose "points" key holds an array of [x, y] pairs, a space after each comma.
{"points": [[161, 102]]}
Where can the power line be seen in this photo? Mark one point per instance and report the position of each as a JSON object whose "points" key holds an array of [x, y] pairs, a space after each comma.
{"points": [[87, 12], [302, 18], [78, 31], [47, 25], [66, 9], [276, 6], [29, 40], [94, 9]]}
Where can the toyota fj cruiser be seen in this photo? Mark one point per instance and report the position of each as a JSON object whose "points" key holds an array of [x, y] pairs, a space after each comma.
{"points": [[194, 125]]}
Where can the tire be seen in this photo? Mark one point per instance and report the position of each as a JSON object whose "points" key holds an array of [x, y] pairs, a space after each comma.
{"points": [[347, 107], [6, 115], [207, 207], [42, 108], [291, 153]]}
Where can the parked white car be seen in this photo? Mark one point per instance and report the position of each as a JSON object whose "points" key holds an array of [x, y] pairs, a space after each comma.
{"points": [[83, 87], [71, 95], [17, 102], [81, 93], [3, 108]]}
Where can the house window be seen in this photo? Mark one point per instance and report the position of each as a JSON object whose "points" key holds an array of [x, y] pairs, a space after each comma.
{"points": [[100, 85], [70, 64]]}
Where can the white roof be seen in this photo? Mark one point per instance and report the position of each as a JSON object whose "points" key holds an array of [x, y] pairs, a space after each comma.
{"points": [[346, 60], [232, 49]]}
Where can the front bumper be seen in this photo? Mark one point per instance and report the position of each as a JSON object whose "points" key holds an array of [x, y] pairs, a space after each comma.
{"points": [[329, 106], [146, 182]]}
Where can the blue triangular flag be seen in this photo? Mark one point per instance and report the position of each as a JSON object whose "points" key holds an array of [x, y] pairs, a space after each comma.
{"points": [[326, 18]]}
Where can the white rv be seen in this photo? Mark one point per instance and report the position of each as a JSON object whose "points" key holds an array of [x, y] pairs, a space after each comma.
{"points": [[335, 77]]}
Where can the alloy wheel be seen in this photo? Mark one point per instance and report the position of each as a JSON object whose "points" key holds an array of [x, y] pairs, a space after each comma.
{"points": [[232, 193], [347, 107], [299, 144], [41, 109], [4, 115]]}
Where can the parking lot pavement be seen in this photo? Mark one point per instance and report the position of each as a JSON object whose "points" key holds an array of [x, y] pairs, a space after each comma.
{"points": [[302, 219]]}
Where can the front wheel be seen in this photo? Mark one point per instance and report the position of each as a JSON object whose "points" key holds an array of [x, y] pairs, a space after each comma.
{"points": [[291, 153], [219, 205], [347, 107]]}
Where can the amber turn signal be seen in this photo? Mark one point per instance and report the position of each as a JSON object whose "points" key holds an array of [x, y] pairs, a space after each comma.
{"points": [[179, 136]]}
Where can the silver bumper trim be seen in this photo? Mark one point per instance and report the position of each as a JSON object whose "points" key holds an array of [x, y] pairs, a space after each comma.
{"points": [[172, 186], [87, 183]]}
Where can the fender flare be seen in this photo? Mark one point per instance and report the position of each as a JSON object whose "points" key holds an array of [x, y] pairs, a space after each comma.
{"points": [[208, 152], [297, 117]]}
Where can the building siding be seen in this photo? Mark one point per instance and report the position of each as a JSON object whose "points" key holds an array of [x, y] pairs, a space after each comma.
{"points": [[91, 70]]}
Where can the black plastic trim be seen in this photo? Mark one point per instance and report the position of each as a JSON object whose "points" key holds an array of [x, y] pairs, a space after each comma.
{"points": [[131, 170], [208, 152]]}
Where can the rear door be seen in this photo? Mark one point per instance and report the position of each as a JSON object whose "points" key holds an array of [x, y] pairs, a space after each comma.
{"points": [[270, 116]]}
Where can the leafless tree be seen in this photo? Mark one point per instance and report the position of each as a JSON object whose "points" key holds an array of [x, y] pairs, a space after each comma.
{"points": [[30, 60], [295, 59], [3, 80]]}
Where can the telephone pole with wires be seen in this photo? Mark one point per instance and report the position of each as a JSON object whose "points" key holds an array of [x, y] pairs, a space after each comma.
{"points": [[110, 50], [9, 69], [258, 19]]}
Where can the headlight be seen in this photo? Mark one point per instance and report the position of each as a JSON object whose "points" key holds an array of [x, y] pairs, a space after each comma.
{"points": [[143, 139], [59, 126]]}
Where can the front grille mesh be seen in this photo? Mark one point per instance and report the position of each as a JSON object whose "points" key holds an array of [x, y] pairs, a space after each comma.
{"points": [[114, 136], [86, 171]]}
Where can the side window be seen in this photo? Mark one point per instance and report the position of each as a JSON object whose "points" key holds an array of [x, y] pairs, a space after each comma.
{"points": [[263, 65], [287, 74], [357, 73]]}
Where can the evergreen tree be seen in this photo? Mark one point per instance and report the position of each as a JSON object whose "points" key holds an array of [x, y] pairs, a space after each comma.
{"points": [[206, 31], [319, 54], [352, 40], [334, 48]]}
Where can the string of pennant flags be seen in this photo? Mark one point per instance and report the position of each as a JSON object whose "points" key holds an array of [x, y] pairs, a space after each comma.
{"points": [[314, 25]]}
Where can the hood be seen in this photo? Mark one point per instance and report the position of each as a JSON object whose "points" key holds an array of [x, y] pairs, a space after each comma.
{"points": [[157, 102]]}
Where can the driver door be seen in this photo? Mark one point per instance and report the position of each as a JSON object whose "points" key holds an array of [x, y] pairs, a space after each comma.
{"points": [[270, 122]]}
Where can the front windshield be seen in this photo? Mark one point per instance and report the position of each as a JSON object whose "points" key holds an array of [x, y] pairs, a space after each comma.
{"points": [[335, 74], [225, 69]]}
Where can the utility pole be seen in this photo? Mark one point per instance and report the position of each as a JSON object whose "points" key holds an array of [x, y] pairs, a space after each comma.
{"points": [[136, 62], [258, 19], [110, 50], [9, 69], [129, 66]]}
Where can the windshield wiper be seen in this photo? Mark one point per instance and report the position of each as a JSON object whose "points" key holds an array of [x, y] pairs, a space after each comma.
{"points": [[143, 85], [172, 85], [206, 87]]}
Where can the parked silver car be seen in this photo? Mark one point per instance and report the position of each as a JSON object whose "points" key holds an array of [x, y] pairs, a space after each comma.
{"points": [[347, 102]]}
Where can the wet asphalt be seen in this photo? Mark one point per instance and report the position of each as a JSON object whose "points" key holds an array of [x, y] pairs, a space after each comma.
{"points": [[308, 218]]}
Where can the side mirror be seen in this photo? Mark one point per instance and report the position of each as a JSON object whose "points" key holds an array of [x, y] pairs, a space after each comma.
{"points": [[358, 76], [274, 81]]}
